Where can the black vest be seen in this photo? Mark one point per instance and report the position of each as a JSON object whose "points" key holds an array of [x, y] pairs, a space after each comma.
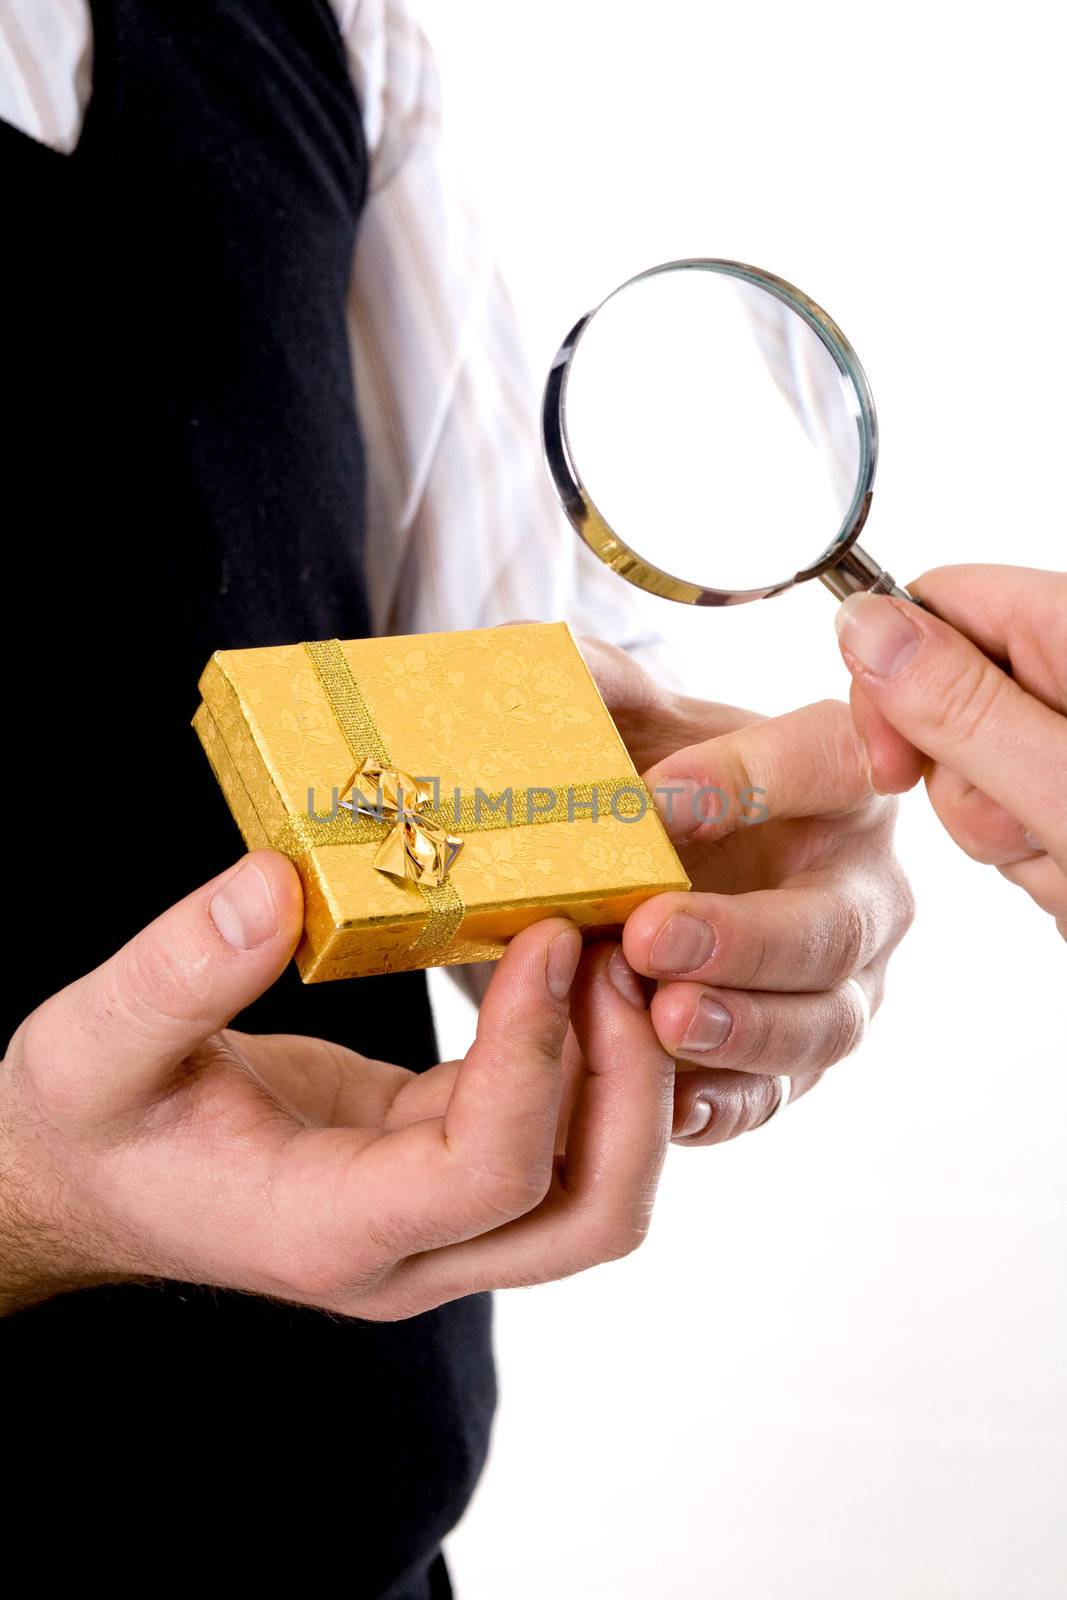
{"points": [[183, 472]]}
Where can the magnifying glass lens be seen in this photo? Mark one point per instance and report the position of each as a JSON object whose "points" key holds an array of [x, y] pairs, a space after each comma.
{"points": [[713, 428]]}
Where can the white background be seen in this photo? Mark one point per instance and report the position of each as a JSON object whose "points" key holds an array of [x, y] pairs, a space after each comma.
{"points": [[836, 1370]]}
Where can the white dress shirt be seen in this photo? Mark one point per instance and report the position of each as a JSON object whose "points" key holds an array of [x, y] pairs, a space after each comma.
{"points": [[463, 530]]}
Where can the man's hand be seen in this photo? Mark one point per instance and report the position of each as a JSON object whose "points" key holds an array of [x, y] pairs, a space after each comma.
{"points": [[770, 964], [993, 749], [140, 1138]]}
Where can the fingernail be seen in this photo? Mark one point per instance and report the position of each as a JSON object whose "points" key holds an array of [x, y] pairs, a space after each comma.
{"points": [[682, 944], [1033, 843], [561, 963], [626, 980], [243, 909], [700, 1114], [879, 633], [709, 1026]]}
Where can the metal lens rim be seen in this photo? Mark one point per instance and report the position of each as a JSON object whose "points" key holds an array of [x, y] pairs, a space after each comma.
{"points": [[582, 510]]}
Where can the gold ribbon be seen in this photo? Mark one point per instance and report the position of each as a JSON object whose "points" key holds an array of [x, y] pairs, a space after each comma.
{"points": [[417, 843]]}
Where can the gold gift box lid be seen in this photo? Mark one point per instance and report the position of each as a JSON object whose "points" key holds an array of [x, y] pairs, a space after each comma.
{"points": [[523, 768]]}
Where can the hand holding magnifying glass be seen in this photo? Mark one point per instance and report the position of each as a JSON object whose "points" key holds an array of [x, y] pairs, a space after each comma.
{"points": [[707, 423]]}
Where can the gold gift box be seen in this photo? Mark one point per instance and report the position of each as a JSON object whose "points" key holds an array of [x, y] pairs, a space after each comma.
{"points": [[483, 713]]}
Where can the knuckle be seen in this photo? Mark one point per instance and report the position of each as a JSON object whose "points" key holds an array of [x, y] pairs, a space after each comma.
{"points": [[730, 1116], [392, 1238], [837, 726], [848, 750], [982, 829], [844, 1026], [752, 952], [890, 911], [967, 693], [545, 1035], [314, 1284], [501, 1196], [592, 646], [736, 770], [849, 937], [623, 682], [392, 1306], [44, 1061], [618, 1235], [755, 1036], [982, 850], [333, 1278], [526, 1044], [146, 984]]}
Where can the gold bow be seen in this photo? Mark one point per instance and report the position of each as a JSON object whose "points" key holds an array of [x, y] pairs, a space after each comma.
{"points": [[418, 849]]}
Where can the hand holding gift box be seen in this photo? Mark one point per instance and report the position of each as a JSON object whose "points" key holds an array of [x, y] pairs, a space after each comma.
{"points": [[374, 1211], [767, 965]]}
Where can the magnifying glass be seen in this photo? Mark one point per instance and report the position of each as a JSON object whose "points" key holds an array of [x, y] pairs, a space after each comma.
{"points": [[707, 426]]}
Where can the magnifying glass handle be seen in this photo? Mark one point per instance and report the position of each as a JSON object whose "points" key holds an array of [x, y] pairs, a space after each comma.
{"points": [[859, 573]]}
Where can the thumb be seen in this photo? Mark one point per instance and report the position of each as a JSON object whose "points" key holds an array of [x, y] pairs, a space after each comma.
{"points": [[109, 1042]]}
